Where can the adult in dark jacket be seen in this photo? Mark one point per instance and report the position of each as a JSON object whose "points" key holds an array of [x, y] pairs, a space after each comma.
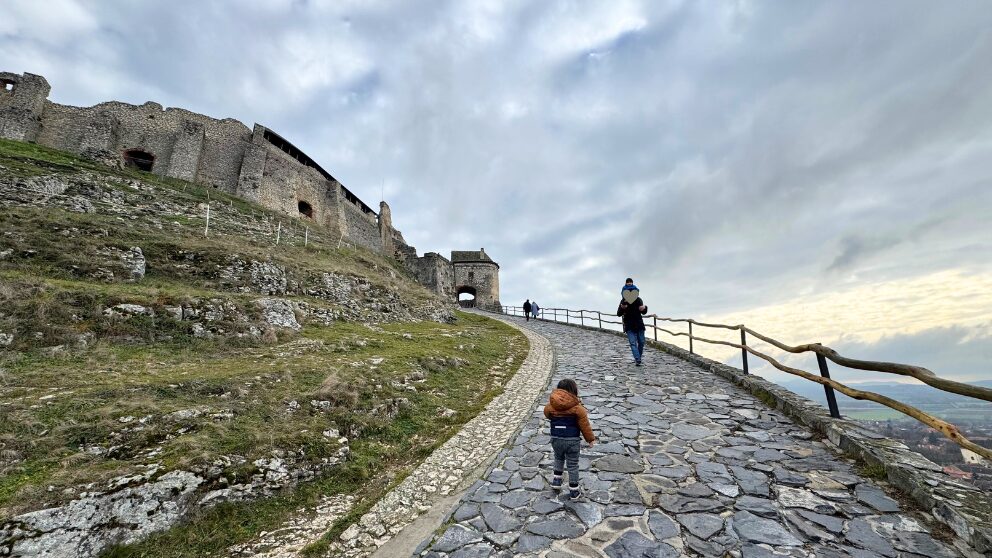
{"points": [[633, 326], [527, 309]]}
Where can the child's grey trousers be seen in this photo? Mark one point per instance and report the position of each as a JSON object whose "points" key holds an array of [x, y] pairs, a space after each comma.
{"points": [[567, 454]]}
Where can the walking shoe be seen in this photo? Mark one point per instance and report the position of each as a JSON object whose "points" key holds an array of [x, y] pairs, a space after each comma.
{"points": [[637, 363], [574, 492], [556, 482]]}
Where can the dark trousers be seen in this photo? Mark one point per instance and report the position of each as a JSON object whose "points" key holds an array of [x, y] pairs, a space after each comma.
{"points": [[567, 455]]}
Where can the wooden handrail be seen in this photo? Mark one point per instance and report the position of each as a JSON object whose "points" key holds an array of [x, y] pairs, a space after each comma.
{"points": [[925, 375], [946, 428]]}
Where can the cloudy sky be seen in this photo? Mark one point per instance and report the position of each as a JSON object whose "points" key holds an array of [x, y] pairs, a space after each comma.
{"points": [[818, 170]]}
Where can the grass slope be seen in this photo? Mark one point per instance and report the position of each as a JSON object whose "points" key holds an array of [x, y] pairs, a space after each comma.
{"points": [[144, 390]]}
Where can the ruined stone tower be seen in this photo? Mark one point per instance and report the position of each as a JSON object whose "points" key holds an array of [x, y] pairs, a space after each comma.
{"points": [[478, 275], [22, 99]]}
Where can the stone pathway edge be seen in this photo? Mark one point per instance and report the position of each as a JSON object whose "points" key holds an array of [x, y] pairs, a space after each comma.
{"points": [[959, 505], [425, 487]]}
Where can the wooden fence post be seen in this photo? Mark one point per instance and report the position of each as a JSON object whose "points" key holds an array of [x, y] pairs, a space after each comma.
{"points": [[828, 390], [744, 350]]}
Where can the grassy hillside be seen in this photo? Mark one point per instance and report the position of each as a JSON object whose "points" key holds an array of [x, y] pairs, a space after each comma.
{"points": [[228, 349]]}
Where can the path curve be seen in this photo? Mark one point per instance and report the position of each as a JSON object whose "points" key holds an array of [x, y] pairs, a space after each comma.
{"points": [[687, 464], [450, 469]]}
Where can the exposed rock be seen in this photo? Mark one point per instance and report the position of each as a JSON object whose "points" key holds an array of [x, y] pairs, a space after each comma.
{"points": [[134, 263], [128, 310], [87, 526], [278, 312]]}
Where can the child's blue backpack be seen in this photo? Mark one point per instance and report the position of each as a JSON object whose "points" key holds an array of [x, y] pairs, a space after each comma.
{"points": [[565, 427]]}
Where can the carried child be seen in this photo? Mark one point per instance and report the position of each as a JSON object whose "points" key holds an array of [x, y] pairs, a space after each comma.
{"points": [[569, 421]]}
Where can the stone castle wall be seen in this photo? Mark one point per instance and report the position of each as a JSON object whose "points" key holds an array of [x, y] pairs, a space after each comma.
{"points": [[359, 228], [186, 145], [256, 164], [435, 270]]}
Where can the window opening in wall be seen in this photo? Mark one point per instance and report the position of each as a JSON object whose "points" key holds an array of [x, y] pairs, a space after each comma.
{"points": [[471, 275], [305, 208], [7, 85], [138, 159]]}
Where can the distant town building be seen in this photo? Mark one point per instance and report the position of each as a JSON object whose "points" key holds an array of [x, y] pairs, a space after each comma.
{"points": [[971, 457], [953, 471]]}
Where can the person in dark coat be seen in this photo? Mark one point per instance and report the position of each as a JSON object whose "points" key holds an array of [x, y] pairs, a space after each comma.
{"points": [[527, 309], [633, 325]]}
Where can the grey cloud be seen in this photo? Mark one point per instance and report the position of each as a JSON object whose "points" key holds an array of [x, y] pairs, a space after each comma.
{"points": [[727, 156]]}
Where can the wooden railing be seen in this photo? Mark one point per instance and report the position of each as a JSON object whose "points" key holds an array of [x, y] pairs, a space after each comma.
{"points": [[595, 318]]}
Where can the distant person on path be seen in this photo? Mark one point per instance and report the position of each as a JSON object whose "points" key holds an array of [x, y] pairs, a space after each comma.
{"points": [[527, 309], [632, 309], [534, 309], [569, 419]]}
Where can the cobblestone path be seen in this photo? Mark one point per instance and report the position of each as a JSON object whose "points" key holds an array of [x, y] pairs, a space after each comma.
{"points": [[687, 464]]}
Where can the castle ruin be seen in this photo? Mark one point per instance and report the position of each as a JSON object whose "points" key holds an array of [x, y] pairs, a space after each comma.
{"points": [[256, 164]]}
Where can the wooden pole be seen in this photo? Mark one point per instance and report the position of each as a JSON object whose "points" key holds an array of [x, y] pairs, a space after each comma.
{"points": [[744, 349]]}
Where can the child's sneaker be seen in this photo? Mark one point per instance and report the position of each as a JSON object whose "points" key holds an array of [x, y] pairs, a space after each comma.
{"points": [[574, 492], [556, 482]]}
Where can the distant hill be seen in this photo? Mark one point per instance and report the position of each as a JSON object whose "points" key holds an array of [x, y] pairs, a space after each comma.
{"points": [[923, 396]]}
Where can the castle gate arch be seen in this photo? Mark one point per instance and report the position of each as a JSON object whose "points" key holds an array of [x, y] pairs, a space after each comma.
{"points": [[478, 274], [466, 296]]}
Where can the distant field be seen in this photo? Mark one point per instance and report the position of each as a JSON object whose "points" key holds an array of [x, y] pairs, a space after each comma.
{"points": [[875, 414], [952, 415]]}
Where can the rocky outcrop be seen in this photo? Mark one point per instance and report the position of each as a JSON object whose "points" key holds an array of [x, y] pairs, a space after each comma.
{"points": [[278, 313], [86, 526], [133, 507]]}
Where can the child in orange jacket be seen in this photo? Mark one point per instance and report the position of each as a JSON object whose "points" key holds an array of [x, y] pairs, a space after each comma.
{"points": [[569, 419]]}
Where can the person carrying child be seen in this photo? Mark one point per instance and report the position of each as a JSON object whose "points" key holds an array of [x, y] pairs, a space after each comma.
{"points": [[569, 420], [632, 308]]}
